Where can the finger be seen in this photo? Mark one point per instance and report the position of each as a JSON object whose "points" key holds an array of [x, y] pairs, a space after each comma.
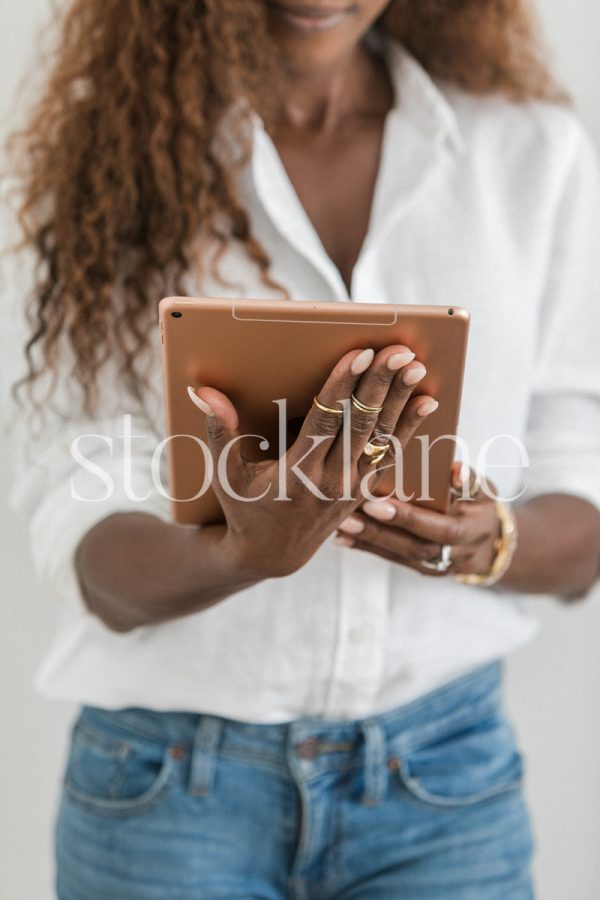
{"points": [[394, 540], [397, 406], [222, 427], [466, 484], [415, 412], [411, 554], [372, 391], [390, 556], [412, 417], [427, 524], [401, 388], [319, 423]]}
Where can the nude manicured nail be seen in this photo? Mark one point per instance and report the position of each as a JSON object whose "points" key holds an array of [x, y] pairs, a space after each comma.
{"points": [[378, 509], [352, 525], [362, 362], [414, 375], [427, 408], [397, 360], [201, 404], [341, 541]]}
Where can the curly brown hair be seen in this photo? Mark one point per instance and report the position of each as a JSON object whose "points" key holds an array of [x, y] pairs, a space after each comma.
{"points": [[116, 169]]}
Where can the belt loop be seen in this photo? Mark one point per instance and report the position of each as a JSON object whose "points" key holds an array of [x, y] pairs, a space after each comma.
{"points": [[375, 764], [204, 754]]}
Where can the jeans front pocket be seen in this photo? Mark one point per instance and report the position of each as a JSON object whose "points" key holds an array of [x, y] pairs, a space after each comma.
{"points": [[114, 775], [463, 765]]}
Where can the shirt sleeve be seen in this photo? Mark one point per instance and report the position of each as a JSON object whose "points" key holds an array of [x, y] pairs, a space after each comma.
{"points": [[69, 470], [563, 429]]}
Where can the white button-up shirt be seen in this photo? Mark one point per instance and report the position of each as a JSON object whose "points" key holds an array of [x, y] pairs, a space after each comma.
{"points": [[479, 202]]}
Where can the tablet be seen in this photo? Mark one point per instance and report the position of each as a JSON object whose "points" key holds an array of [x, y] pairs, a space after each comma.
{"points": [[260, 351]]}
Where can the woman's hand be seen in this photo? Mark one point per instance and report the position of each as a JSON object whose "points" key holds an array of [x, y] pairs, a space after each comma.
{"points": [[404, 533], [267, 536]]}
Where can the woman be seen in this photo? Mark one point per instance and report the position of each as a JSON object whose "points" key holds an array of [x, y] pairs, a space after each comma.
{"points": [[269, 710]]}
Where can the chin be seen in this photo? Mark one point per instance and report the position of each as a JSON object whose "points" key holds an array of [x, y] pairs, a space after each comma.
{"points": [[311, 55], [312, 35]]}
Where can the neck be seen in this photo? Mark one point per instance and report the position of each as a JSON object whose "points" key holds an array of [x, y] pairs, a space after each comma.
{"points": [[319, 100]]}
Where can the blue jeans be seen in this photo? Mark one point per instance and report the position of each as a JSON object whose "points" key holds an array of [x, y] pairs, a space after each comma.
{"points": [[419, 803]]}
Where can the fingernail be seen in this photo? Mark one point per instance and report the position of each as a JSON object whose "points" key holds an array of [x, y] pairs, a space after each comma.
{"points": [[352, 525], [341, 541], [379, 510], [427, 408], [201, 404], [414, 375], [397, 360], [362, 362]]}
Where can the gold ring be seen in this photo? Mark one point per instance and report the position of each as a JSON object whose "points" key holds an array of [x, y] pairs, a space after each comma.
{"points": [[363, 407], [443, 561], [376, 452], [336, 412]]}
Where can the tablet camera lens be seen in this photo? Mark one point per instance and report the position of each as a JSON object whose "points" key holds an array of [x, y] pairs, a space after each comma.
{"points": [[450, 312], [176, 314]]}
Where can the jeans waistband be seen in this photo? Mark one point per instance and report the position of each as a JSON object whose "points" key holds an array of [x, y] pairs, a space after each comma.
{"points": [[465, 699]]}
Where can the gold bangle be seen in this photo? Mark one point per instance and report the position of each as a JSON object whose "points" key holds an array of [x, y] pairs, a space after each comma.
{"points": [[505, 547], [336, 412]]}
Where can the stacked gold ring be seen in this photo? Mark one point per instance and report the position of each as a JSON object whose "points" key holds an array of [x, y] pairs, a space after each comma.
{"points": [[363, 407], [319, 405], [375, 452]]}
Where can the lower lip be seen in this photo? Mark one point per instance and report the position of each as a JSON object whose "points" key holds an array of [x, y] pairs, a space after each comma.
{"points": [[310, 23]]}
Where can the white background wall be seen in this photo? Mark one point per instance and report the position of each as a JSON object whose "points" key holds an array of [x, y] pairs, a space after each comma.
{"points": [[553, 684]]}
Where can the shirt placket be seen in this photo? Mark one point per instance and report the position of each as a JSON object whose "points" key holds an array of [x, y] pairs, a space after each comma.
{"points": [[361, 638], [283, 206]]}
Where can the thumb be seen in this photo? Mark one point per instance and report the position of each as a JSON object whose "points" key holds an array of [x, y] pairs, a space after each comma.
{"points": [[222, 421]]}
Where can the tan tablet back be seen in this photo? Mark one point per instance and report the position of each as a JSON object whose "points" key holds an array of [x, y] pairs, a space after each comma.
{"points": [[259, 351]]}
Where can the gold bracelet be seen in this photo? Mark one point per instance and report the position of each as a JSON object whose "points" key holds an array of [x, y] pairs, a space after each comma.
{"points": [[505, 547]]}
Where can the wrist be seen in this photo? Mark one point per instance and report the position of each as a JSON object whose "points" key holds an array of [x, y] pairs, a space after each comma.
{"points": [[504, 549], [241, 557]]}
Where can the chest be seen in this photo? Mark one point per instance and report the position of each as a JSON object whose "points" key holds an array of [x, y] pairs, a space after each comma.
{"points": [[335, 181]]}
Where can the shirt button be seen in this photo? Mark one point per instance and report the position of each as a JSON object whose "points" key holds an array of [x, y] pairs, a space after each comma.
{"points": [[359, 633]]}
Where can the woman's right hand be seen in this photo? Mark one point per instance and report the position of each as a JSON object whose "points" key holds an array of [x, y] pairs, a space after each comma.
{"points": [[269, 537]]}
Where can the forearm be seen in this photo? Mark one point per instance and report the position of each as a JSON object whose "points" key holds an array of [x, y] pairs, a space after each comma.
{"points": [[135, 569], [558, 550]]}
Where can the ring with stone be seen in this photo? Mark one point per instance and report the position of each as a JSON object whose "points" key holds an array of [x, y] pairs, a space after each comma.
{"points": [[442, 563]]}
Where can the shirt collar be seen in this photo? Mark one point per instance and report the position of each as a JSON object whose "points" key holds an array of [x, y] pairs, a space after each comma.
{"points": [[416, 96]]}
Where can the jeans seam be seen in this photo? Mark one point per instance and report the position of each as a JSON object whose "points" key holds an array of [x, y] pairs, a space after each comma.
{"points": [[441, 803], [125, 806], [130, 731], [444, 728]]}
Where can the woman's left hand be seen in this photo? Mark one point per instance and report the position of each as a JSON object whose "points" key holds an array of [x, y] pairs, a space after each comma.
{"points": [[411, 535]]}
